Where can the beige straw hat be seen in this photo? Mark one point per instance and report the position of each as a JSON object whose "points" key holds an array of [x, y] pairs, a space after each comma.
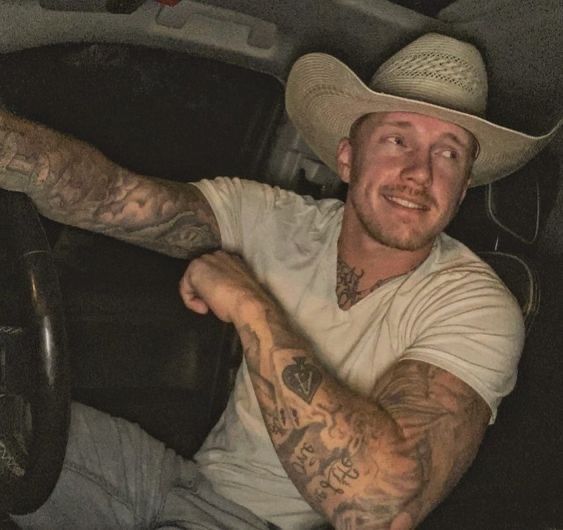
{"points": [[435, 75]]}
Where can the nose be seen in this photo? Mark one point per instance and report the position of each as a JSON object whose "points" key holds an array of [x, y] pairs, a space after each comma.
{"points": [[418, 168]]}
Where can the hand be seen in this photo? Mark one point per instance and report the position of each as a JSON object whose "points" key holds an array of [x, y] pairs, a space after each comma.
{"points": [[221, 282], [18, 161]]}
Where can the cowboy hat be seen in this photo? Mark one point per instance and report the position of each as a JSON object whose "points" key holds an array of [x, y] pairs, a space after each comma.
{"points": [[435, 75]]}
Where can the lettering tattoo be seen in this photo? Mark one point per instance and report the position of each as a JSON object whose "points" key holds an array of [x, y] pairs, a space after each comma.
{"points": [[74, 183], [340, 473], [304, 459]]}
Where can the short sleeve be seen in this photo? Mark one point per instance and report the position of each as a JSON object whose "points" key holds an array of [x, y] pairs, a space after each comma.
{"points": [[238, 205], [473, 328]]}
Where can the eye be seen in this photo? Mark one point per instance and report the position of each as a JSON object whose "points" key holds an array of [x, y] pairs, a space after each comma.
{"points": [[395, 140], [450, 154]]}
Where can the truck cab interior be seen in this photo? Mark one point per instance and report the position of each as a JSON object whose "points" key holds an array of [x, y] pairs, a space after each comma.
{"points": [[195, 89]]}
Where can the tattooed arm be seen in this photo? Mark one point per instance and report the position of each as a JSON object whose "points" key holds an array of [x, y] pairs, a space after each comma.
{"points": [[73, 183], [377, 462]]}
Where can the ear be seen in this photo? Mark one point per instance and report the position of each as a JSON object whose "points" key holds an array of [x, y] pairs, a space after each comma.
{"points": [[344, 159], [465, 188]]}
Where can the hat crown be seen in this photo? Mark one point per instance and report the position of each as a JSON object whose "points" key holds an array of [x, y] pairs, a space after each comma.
{"points": [[436, 69]]}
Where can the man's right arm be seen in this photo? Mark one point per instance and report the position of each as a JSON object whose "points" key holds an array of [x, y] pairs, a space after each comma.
{"points": [[73, 183]]}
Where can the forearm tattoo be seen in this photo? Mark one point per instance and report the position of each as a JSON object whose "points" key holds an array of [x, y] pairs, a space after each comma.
{"points": [[302, 378], [381, 462], [75, 184]]}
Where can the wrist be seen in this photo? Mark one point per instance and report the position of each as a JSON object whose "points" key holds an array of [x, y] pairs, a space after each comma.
{"points": [[250, 308]]}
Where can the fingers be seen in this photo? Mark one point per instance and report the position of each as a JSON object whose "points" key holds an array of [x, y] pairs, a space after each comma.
{"points": [[15, 169], [216, 282], [217, 262], [189, 295], [9, 149]]}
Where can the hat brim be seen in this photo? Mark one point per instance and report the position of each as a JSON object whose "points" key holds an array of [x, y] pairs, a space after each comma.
{"points": [[324, 97]]}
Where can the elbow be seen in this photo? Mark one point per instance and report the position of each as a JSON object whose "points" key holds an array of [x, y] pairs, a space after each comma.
{"points": [[376, 518], [391, 501], [390, 496]]}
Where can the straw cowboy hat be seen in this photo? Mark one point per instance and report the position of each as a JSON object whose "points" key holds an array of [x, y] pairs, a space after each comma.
{"points": [[435, 75]]}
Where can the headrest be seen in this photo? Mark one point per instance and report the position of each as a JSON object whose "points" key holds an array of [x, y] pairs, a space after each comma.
{"points": [[508, 214]]}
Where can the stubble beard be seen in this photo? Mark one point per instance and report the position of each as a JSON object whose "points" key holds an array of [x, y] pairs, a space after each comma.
{"points": [[411, 239], [410, 242]]}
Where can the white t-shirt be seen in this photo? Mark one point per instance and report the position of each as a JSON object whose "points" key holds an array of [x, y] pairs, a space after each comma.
{"points": [[452, 311]]}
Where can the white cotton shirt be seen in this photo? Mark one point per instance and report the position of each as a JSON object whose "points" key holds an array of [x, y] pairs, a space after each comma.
{"points": [[452, 311]]}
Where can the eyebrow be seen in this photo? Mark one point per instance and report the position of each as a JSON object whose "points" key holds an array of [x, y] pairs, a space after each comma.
{"points": [[457, 140]]}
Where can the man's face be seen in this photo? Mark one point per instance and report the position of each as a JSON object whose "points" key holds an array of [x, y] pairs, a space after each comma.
{"points": [[407, 175]]}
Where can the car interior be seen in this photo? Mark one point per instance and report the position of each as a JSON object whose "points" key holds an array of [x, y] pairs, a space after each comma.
{"points": [[184, 90]]}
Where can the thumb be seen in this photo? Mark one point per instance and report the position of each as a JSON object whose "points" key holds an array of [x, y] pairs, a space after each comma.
{"points": [[190, 297]]}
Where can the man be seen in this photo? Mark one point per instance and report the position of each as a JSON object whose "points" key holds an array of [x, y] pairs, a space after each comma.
{"points": [[376, 348]]}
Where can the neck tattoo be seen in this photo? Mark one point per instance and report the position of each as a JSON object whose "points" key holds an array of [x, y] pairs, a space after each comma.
{"points": [[347, 282]]}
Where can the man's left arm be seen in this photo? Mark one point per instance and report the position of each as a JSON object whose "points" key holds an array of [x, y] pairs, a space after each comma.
{"points": [[382, 461]]}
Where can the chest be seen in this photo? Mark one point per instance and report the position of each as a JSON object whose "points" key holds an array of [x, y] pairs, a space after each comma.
{"points": [[356, 345]]}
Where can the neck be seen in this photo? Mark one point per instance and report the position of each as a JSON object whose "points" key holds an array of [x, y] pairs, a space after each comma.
{"points": [[365, 264], [376, 259]]}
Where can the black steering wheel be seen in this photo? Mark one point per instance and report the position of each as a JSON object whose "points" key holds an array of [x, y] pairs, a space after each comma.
{"points": [[34, 366]]}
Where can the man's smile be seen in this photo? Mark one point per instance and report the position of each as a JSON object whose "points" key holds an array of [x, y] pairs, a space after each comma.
{"points": [[405, 203]]}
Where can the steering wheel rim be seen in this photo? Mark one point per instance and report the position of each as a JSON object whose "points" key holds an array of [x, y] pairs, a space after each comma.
{"points": [[48, 393]]}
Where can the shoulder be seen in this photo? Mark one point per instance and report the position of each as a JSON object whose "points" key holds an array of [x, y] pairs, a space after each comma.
{"points": [[261, 193], [453, 268], [251, 213], [462, 318], [456, 286]]}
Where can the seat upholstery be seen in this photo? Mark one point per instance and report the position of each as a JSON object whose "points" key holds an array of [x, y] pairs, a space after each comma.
{"points": [[508, 215], [521, 278], [502, 223], [136, 351]]}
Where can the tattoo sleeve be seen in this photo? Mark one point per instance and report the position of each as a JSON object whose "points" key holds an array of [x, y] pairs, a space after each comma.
{"points": [[73, 183], [381, 461]]}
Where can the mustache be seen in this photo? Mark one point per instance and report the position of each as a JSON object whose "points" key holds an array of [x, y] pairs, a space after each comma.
{"points": [[421, 195]]}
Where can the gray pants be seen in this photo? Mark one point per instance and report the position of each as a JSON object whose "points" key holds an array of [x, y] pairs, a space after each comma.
{"points": [[116, 476]]}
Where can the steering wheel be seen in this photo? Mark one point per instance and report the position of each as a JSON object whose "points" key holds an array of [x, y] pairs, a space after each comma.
{"points": [[34, 367]]}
